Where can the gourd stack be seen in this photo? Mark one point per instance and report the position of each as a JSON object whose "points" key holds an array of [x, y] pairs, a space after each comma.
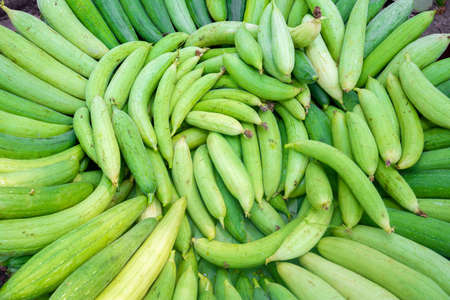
{"points": [[224, 149]]}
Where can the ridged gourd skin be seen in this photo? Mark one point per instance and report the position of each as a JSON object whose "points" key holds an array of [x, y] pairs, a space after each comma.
{"points": [[180, 16], [81, 284], [246, 255], [156, 249], [35, 60], [386, 137], [19, 126], [17, 80], [105, 141], [120, 85], [412, 136], [352, 53], [423, 52], [138, 163], [325, 66], [99, 78], [247, 47], [26, 108], [357, 181], [363, 145], [165, 284], [183, 179], [296, 162], [259, 84], [11, 165], [305, 284], [271, 149], [380, 268], [282, 44], [59, 16], [43, 36], [403, 250], [332, 27], [64, 255], [429, 232], [265, 41], [385, 22], [428, 100], [199, 12], [117, 20], [21, 202], [204, 177], [57, 173], [157, 12], [393, 43], [133, 150], [304, 237], [48, 228], [231, 170], [88, 14], [141, 21], [348, 283]]}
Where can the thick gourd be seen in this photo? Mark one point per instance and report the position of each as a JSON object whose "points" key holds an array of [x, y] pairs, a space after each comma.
{"points": [[27, 236], [47, 269]]}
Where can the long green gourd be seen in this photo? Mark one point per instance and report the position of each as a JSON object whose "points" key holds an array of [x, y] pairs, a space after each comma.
{"points": [[61, 18], [47, 269], [393, 43], [360, 185], [43, 36], [17, 80]]}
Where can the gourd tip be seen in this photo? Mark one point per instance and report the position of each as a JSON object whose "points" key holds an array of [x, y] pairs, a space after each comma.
{"points": [[263, 107], [347, 229], [317, 12], [421, 213], [115, 182], [4, 7], [389, 229], [270, 106]]}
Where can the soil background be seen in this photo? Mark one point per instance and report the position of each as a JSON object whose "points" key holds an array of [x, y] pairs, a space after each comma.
{"points": [[441, 23]]}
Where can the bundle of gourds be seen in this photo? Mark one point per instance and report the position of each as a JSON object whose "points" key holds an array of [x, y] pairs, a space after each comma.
{"points": [[292, 149]]}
